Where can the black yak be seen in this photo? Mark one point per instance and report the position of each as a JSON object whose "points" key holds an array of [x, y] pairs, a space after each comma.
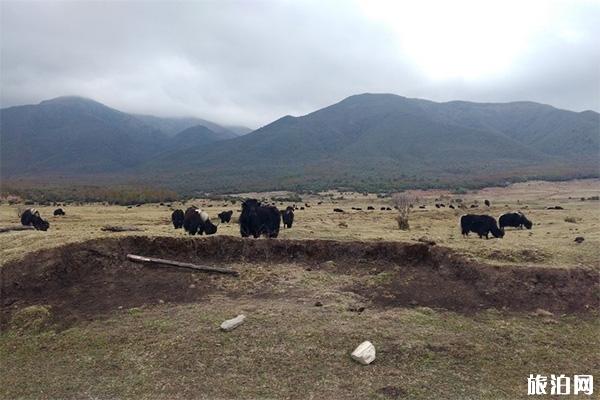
{"points": [[197, 221], [288, 217], [225, 216], [481, 225], [517, 220], [59, 211], [370, 208], [487, 203], [338, 210], [177, 218], [257, 220], [31, 217]]}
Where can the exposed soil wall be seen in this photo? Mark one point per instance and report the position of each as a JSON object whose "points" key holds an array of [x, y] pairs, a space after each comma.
{"points": [[85, 279]]}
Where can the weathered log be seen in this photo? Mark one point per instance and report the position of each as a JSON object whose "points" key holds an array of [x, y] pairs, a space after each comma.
{"points": [[16, 228], [171, 263], [117, 228]]}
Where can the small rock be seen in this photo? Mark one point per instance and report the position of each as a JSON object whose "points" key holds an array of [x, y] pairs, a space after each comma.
{"points": [[233, 323], [364, 353], [192, 286], [161, 301], [543, 313], [426, 240], [318, 304], [579, 239]]}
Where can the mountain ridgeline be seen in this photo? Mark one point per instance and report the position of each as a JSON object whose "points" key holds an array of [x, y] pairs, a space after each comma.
{"points": [[78, 137], [365, 142]]}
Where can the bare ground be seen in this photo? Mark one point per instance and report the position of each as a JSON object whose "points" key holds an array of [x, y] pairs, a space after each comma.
{"points": [[82, 280]]}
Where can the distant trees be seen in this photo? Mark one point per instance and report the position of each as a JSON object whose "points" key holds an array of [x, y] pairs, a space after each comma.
{"points": [[121, 195]]}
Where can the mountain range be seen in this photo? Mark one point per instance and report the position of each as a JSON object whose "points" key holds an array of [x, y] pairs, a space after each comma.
{"points": [[75, 136], [365, 142]]}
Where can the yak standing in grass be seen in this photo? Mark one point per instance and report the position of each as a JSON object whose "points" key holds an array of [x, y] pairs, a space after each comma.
{"points": [[225, 216], [58, 212], [177, 218], [481, 225], [31, 217], [288, 217], [517, 220], [196, 221], [257, 220]]}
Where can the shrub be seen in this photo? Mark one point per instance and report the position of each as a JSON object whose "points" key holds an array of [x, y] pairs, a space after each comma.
{"points": [[402, 203]]}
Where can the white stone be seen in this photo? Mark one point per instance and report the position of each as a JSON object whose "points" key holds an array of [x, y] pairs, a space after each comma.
{"points": [[233, 323], [364, 353]]}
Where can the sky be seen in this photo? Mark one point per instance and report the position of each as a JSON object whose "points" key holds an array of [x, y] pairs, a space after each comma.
{"points": [[250, 62]]}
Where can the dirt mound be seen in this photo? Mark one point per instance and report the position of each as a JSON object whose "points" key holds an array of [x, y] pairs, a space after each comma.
{"points": [[85, 279]]}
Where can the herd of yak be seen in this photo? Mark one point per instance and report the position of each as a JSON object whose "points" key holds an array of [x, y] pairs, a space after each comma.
{"points": [[257, 219]]}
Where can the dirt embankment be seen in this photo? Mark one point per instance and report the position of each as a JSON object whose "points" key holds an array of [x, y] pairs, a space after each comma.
{"points": [[90, 278]]}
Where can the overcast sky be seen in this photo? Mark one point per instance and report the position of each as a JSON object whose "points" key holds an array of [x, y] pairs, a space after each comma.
{"points": [[250, 62]]}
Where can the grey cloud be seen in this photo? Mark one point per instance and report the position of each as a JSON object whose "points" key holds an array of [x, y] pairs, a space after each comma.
{"points": [[250, 62]]}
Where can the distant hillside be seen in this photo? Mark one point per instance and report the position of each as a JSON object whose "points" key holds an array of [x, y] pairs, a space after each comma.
{"points": [[194, 136], [172, 126], [365, 142], [381, 141], [75, 136]]}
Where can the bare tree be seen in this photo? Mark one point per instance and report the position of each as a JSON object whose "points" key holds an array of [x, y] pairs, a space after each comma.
{"points": [[403, 204]]}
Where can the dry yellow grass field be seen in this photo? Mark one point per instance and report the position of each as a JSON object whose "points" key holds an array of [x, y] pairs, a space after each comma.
{"points": [[303, 318], [550, 241]]}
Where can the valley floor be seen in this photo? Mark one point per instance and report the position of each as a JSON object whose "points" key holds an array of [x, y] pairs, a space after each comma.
{"points": [[105, 336], [550, 242]]}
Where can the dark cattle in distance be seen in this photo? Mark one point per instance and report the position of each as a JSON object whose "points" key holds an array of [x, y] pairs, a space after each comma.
{"points": [[59, 211], [516, 220], [339, 210], [370, 208], [487, 202], [225, 216], [389, 208], [302, 208], [287, 216], [422, 207], [451, 206], [554, 208], [474, 205], [482, 225], [257, 220], [177, 218], [382, 209], [31, 217]]}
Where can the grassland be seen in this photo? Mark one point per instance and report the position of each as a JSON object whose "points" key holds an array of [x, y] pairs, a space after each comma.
{"points": [[290, 347], [550, 242]]}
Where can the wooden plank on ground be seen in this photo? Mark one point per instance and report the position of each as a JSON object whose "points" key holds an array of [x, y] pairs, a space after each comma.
{"points": [[171, 263]]}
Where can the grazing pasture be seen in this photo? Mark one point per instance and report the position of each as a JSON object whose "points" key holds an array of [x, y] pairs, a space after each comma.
{"points": [[79, 320], [549, 242]]}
